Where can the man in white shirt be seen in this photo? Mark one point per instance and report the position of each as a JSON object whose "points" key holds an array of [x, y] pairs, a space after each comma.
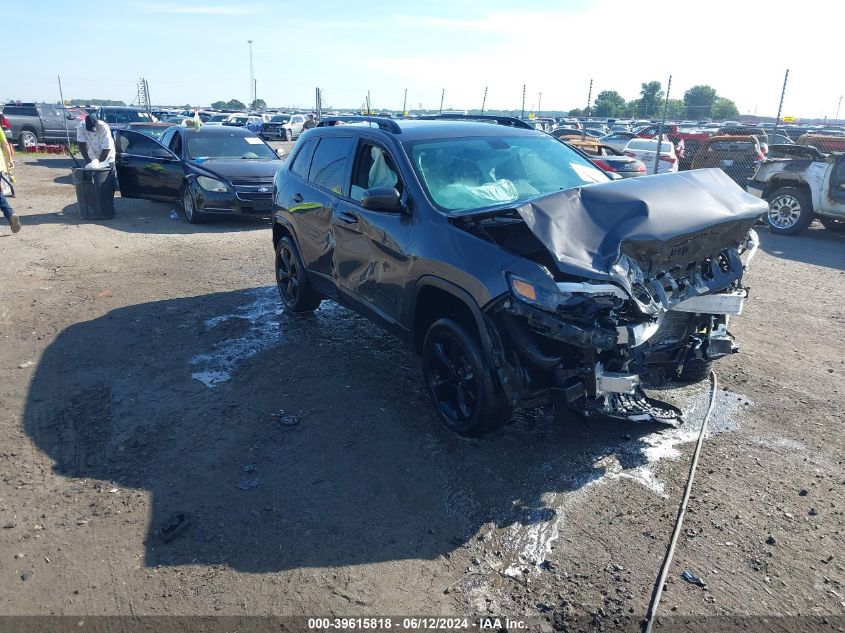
{"points": [[95, 141]]}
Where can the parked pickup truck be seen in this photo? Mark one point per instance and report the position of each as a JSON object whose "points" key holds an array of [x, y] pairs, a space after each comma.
{"points": [[803, 185], [33, 123]]}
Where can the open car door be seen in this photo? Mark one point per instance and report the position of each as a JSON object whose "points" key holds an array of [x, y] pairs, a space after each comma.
{"points": [[146, 168]]}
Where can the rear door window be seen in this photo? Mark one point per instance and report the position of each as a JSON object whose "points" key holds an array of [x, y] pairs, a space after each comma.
{"points": [[135, 143], [330, 163]]}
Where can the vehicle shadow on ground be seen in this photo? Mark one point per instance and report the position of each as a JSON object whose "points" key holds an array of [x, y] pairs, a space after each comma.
{"points": [[316, 446], [143, 216], [816, 245]]}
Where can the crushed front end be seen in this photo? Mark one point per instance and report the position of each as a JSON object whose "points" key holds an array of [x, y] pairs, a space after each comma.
{"points": [[580, 335]]}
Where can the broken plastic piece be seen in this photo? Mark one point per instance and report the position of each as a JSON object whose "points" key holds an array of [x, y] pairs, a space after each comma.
{"points": [[692, 578], [640, 408]]}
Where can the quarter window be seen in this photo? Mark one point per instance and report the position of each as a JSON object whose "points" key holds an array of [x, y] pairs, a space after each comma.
{"points": [[302, 160]]}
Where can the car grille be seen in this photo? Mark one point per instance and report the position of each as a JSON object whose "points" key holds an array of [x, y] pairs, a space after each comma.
{"points": [[253, 182]]}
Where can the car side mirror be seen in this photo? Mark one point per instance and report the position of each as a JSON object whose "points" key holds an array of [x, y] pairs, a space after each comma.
{"points": [[280, 152], [160, 153], [382, 199]]}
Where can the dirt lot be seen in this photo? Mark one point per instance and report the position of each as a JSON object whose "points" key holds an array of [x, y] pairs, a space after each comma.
{"points": [[147, 369]]}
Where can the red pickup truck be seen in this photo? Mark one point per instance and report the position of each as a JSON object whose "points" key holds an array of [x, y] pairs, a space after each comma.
{"points": [[686, 143]]}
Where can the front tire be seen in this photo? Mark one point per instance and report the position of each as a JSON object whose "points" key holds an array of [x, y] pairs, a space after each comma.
{"points": [[291, 279], [192, 215], [790, 211], [696, 370], [460, 382]]}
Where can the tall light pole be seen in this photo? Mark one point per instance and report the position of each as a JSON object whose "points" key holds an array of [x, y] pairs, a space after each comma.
{"points": [[251, 75]]}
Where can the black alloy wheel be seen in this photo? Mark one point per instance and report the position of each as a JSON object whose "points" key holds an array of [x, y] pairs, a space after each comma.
{"points": [[294, 288], [460, 381]]}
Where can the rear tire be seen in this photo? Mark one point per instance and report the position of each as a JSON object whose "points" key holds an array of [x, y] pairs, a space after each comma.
{"points": [[460, 382], [27, 138], [790, 211], [292, 280]]}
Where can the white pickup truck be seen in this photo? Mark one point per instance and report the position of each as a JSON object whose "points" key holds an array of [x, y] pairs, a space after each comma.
{"points": [[800, 183]]}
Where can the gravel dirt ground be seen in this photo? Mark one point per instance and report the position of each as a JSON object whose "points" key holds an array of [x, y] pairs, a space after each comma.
{"points": [[147, 370]]}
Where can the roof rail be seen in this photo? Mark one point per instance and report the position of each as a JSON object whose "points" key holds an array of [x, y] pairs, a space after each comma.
{"points": [[382, 122], [508, 121]]}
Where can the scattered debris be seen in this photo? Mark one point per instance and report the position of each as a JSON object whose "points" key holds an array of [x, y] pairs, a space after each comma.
{"points": [[173, 527], [26, 575], [113, 490], [803, 492], [28, 363], [247, 484], [174, 215], [8, 526], [46, 559], [691, 577], [104, 293], [770, 540], [813, 512]]}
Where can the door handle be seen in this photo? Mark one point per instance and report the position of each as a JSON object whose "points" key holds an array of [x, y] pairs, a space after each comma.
{"points": [[297, 197], [349, 217]]}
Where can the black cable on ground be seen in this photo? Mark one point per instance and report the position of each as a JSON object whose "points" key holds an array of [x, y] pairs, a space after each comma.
{"points": [[667, 561]]}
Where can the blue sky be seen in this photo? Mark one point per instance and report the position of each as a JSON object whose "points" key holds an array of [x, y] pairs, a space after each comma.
{"points": [[196, 51]]}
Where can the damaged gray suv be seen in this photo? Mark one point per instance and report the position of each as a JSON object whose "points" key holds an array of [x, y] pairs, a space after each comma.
{"points": [[515, 267]]}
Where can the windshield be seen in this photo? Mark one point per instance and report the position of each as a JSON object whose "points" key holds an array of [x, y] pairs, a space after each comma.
{"points": [[229, 146], [218, 117], [280, 119], [238, 120], [463, 174]]}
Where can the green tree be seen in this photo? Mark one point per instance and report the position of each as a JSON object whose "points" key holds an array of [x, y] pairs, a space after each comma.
{"points": [[631, 109], [218, 105], [609, 103], [187, 106], [258, 104], [651, 100], [578, 112], [699, 101], [234, 104], [723, 109], [675, 109]]}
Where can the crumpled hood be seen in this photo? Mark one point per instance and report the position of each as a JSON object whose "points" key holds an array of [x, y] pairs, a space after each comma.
{"points": [[660, 222]]}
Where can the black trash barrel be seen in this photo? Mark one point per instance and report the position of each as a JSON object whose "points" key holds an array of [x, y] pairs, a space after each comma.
{"points": [[94, 193]]}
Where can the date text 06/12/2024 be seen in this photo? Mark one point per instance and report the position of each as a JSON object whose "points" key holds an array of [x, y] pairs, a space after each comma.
{"points": [[415, 624]]}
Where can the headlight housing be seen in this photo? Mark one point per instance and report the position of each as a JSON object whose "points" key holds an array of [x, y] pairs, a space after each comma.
{"points": [[544, 296], [212, 184], [565, 294]]}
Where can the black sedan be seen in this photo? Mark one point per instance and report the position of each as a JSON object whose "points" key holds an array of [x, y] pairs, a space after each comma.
{"points": [[211, 171]]}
